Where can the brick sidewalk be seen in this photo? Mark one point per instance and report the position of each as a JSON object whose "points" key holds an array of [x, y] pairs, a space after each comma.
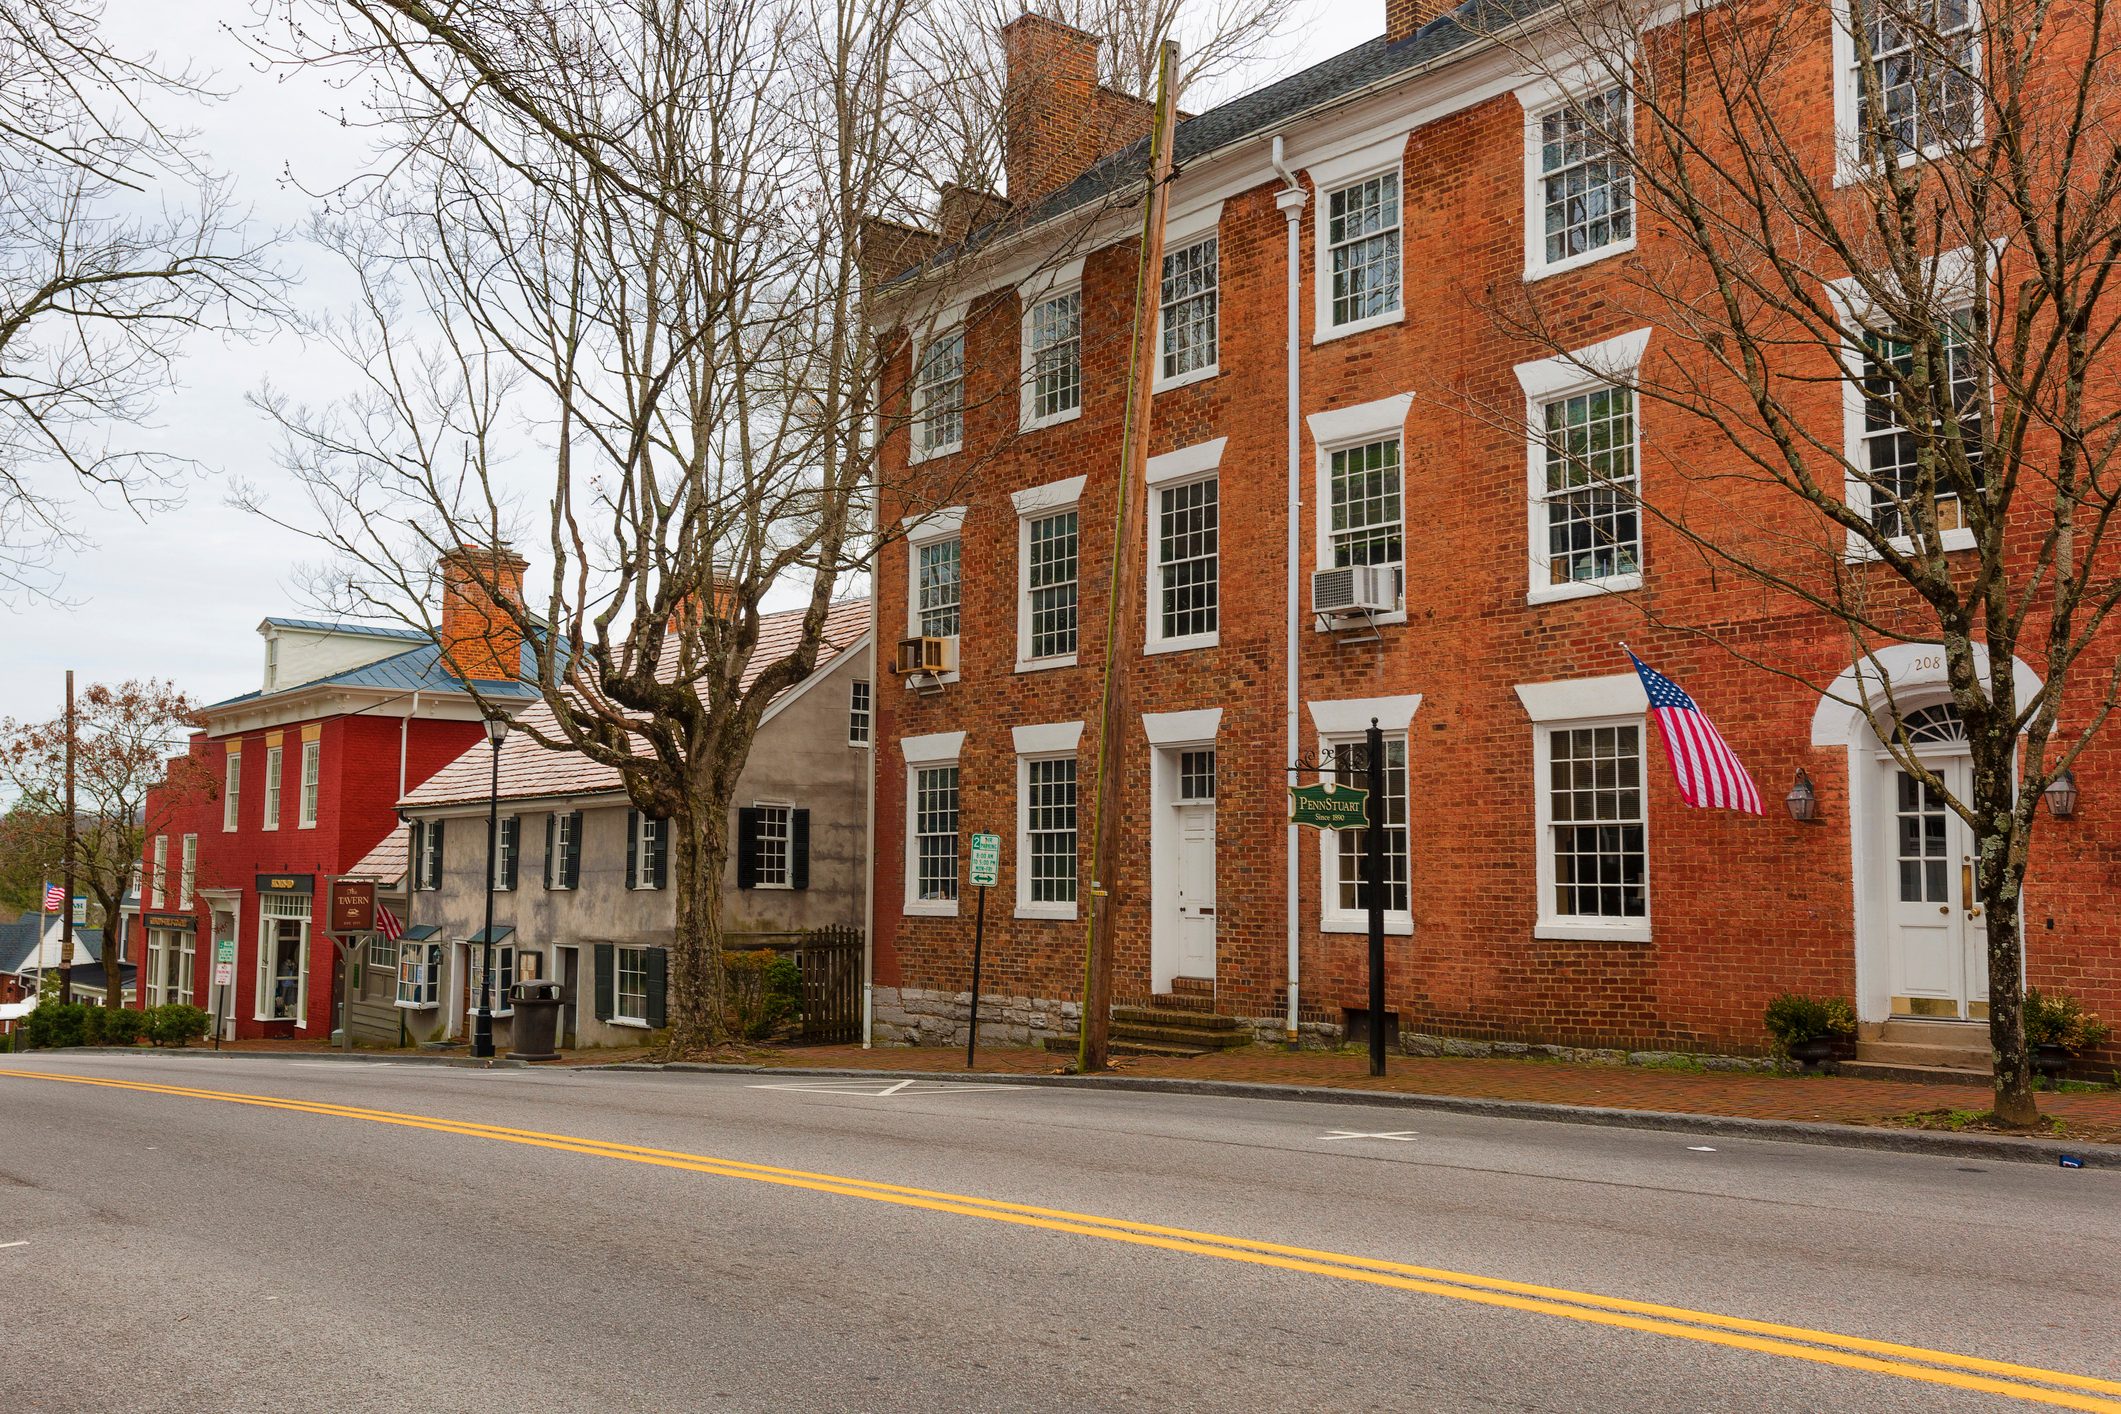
{"points": [[1818, 1099]]}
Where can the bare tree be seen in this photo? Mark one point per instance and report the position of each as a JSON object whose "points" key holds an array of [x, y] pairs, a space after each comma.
{"points": [[1888, 351], [116, 242], [128, 745]]}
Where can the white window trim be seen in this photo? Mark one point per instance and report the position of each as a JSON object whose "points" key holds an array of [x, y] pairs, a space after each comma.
{"points": [[927, 753], [1561, 928], [1340, 722], [620, 1018], [270, 798], [307, 809], [951, 321], [1614, 362], [231, 792], [1036, 503], [868, 713], [945, 524], [787, 883], [1333, 175], [187, 871], [1538, 100], [1062, 279], [1199, 462], [1850, 167], [161, 873], [432, 1000], [1951, 276], [1181, 232], [1053, 741], [1356, 426], [262, 991]]}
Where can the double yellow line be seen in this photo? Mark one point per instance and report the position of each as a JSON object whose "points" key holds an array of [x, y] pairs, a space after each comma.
{"points": [[2031, 1384]]}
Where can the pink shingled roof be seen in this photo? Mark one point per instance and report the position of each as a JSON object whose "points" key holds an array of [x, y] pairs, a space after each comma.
{"points": [[529, 770], [386, 862]]}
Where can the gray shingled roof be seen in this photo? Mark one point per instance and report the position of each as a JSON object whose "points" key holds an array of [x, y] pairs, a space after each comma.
{"points": [[1257, 113]]}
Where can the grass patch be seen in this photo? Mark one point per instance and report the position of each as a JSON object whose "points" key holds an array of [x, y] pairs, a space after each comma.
{"points": [[1976, 1121]]}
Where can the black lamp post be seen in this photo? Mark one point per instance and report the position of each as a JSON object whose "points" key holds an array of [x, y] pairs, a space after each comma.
{"points": [[482, 1019]]}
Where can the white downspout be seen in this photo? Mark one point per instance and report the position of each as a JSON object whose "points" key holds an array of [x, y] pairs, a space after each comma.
{"points": [[404, 727], [1291, 200]]}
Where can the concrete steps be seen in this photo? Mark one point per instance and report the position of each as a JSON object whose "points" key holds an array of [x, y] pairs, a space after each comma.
{"points": [[1941, 1052], [1174, 1024]]}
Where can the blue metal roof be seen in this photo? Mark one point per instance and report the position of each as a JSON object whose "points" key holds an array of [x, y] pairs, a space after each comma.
{"points": [[421, 670], [362, 630]]}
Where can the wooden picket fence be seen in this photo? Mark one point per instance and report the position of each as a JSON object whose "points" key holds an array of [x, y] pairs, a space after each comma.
{"points": [[830, 961]]}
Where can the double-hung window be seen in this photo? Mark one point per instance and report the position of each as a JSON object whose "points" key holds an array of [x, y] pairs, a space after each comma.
{"points": [[1908, 82], [231, 786], [508, 849], [1363, 248], [1045, 819], [504, 976], [1593, 834], [1191, 323], [935, 834], [629, 993], [1582, 189], [427, 854], [311, 783], [936, 571], [159, 875], [1892, 453], [1345, 896], [187, 873], [772, 845], [563, 849], [858, 712], [1052, 346], [939, 395], [1048, 556], [1365, 512], [1586, 522], [273, 759], [1186, 555]]}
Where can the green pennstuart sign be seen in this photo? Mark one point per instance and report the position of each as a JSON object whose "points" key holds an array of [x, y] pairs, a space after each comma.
{"points": [[1329, 806]]}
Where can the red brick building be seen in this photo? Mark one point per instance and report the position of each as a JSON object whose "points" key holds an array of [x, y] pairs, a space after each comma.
{"points": [[1547, 884], [310, 767]]}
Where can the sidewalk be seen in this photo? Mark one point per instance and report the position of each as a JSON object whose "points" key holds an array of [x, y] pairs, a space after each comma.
{"points": [[2093, 1116]]}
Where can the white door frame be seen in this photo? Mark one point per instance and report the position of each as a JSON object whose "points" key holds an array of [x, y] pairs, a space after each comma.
{"points": [[1169, 733]]}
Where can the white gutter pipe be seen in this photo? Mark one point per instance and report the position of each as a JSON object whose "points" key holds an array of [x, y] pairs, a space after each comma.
{"points": [[405, 726], [1291, 200]]}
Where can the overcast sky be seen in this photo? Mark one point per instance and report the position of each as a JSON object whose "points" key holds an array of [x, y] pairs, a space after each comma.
{"points": [[179, 596]]}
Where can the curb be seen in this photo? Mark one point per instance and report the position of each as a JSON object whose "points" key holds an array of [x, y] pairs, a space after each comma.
{"points": [[356, 1058], [1938, 1143]]}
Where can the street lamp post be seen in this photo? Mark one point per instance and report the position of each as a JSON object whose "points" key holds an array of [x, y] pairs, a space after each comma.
{"points": [[482, 1019]]}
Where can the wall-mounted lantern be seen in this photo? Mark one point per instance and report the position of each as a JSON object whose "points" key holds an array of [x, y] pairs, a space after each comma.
{"points": [[1803, 800], [2061, 795]]}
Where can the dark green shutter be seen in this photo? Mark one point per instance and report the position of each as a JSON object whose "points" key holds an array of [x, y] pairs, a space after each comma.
{"points": [[551, 824], [747, 847], [633, 846], [607, 965], [660, 858], [512, 831], [574, 850], [434, 846], [799, 849], [658, 986], [412, 852]]}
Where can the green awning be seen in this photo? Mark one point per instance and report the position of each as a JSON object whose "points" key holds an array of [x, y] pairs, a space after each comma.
{"points": [[500, 934], [418, 933]]}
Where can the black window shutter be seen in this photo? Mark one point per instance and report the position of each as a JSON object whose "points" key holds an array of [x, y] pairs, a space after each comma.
{"points": [[661, 855], [512, 831], [434, 845], [658, 986], [747, 847], [552, 823], [633, 847], [416, 851], [574, 850], [607, 978], [799, 849]]}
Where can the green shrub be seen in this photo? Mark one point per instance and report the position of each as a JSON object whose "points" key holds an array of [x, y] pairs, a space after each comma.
{"points": [[120, 1027], [765, 992], [175, 1024], [2059, 1019], [1792, 1018], [55, 1024]]}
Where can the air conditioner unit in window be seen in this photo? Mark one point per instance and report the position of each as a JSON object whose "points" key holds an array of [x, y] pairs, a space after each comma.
{"points": [[926, 657], [1355, 589]]}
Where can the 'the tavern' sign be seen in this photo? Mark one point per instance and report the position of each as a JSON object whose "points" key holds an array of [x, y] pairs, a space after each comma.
{"points": [[1329, 806]]}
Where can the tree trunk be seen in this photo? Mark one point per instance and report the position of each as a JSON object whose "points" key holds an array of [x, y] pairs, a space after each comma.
{"points": [[2002, 874], [696, 1002]]}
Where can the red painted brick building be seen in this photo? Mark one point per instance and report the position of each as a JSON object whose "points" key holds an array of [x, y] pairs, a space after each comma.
{"points": [[309, 769], [1548, 885]]}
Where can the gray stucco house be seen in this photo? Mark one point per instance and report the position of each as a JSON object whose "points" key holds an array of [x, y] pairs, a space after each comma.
{"points": [[582, 896]]}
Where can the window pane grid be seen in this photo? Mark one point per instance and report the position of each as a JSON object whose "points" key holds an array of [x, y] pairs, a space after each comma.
{"points": [[773, 846], [1600, 851], [1363, 235], [938, 588], [1587, 190], [1351, 768], [935, 832], [630, 990], [858, 712], [1051, 570], [1056, 355], [1196, 776], [1892, 452], [1188, 530], [1593, 531], [1920, 74], [1190, 295], [939, 393], [1366, 527], [1920, 829], [1049, 814]]}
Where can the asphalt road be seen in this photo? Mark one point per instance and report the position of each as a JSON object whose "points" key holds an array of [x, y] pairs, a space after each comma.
{"points": [[166, 1251]]}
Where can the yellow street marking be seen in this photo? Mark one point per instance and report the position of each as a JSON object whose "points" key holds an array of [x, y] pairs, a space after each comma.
{"points": [[2032, 1384]]}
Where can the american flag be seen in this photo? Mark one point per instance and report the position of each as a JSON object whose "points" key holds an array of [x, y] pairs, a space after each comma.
{"points": [[1709, 775], [388, 925], [54, 898]]}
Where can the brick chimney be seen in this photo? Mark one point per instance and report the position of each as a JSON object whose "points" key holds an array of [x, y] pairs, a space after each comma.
{"points": [[481, 641], [1050, 107], [1404, 17], [964, 210], [887, 248]]}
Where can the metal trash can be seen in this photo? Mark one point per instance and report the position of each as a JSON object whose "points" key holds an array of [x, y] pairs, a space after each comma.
{"points": [[537, 1020]]}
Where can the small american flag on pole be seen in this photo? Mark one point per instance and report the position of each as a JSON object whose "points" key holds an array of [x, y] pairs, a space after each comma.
{"points": [[54, 898], [388, 925], [1709, 775]]}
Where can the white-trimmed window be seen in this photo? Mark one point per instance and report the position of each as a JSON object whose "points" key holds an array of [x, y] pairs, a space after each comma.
{"points": [[271, 820], [1046, 819], [504, 975], [382, 953], [937, 570], [1190, 309], [858, 712], [1048, 557], [159, 875], [1187, 559], [1196, 776], [1342, 726], [231, 787], [171, 955], [1363, 249], [419, 975], [1053, 359], [187, 872], [312, 753], [931, 854], [939, 395], [283, 958], [1586, 521], [1906, 82], [1361, 510], [1593, 834], [773, 847], [629, 991], [1580, 189], [1891, 453]]}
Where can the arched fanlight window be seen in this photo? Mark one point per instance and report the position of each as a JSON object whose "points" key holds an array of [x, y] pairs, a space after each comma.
{"points": [[1933, 726]]}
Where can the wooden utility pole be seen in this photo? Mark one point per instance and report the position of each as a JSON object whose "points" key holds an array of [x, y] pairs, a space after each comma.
{"points": [[112, 973], [1123, 605]]}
